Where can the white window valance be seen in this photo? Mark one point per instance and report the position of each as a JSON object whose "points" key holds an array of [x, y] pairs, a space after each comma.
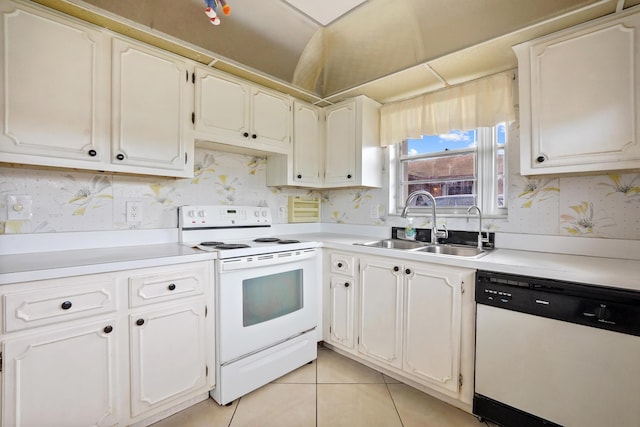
{"points": [[481, 103]]}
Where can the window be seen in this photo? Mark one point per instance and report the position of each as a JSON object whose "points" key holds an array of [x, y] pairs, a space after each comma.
{"points": [[459, 169]]}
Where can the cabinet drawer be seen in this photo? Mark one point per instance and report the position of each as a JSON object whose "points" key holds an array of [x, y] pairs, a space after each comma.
{"points": [[343, 264], [50, 305], [167, 284]]}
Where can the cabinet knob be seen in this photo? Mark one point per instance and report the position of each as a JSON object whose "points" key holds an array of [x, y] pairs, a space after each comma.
{"points": [[172, 287], [254, 136], [66, 305], [108, 329], [349, 176], [541, 159], [407, 271], [246, 134], [396, 268], [299, 176], [339, 265], [93, 153], [346, 284], [120, 156], [140, 322]]}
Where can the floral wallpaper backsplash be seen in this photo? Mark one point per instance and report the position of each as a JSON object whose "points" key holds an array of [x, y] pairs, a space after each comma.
{"points": [[606, 206]]}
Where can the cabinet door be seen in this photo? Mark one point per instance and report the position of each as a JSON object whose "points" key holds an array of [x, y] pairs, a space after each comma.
{"points": [[152, 98], [341, 311], [167, 354], [308, 149], [381, 310], [271, 120], [580, 99], [341, 144], [432, 334], [222, 106], [55, 115], [62, 378]]}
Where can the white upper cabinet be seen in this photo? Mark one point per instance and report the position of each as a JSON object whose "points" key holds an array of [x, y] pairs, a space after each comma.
{"points": [[232, 112], [353, 154], [580, 98], [130, 112], [305, 167], [152, 107], [56, 115]]}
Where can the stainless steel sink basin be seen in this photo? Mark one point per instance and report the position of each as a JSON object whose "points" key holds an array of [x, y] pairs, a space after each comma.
{"points": [[394, 244], [455, 250]]}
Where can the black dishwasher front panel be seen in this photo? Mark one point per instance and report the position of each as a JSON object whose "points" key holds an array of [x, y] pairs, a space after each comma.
{"points": [[596, 306]]}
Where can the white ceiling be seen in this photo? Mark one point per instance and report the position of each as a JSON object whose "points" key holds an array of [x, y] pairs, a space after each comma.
{"points": [[325, 11], [386, 49]]}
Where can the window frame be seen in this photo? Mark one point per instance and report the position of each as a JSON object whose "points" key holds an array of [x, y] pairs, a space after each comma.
{"points": [[486, 175]]}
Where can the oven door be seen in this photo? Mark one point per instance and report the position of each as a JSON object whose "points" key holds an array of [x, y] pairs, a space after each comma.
{"points": [[264, 300]]}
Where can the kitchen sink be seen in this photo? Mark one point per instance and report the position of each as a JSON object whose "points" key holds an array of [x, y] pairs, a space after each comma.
{"points": [[394, 244], [414, 246], [456, 250]]}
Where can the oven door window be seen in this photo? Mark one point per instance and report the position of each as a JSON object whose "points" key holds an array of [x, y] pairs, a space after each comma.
{"points": [[268, 297]]}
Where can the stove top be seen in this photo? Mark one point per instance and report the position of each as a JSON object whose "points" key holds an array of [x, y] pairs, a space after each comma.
{"points": [[232, 231]]}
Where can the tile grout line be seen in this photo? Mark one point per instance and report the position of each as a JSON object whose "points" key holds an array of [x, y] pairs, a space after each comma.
{"points": [[393, 402]]}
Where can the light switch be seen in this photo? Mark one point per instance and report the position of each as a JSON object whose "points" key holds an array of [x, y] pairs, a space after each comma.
{"points": [[19, 208]]}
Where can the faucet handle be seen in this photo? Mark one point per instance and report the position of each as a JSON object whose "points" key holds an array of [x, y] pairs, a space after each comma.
{"points": [[441, 234]]}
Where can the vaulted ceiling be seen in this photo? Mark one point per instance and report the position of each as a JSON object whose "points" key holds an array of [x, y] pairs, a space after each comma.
{"points": [[387, 49]]}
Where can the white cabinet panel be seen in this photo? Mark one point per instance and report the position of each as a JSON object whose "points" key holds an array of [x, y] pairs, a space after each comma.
{"points": [[241, 116], [152, 94], [66, 377], [433, 324], [579, 97], [381, 287], [342, 316], [57, 115], [168, 357]]}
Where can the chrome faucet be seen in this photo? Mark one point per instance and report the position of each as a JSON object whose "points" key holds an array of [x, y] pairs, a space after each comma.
{"points": [[435, 233], [481, 238]]}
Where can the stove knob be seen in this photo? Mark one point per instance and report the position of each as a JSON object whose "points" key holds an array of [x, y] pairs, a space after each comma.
{"points": [[257, 213], [264, 213], [202, 214], [191, 213]]}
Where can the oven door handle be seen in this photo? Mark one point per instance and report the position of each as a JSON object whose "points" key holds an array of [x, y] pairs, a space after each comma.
{"points": [[263, 260]]}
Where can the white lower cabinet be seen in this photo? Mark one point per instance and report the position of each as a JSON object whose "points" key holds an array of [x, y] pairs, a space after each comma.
{"points": [[168, 356], [103, 357], [414, 320], [63, 377]]}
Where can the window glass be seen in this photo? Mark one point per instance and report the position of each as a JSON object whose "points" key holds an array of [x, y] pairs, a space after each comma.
{"points": [[457, 168]]}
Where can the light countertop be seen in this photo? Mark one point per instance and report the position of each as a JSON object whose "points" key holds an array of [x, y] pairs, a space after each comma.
{"points": [[610, 272]]}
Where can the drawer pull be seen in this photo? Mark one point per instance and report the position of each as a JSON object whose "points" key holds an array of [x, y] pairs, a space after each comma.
{"points": [[66, 305], [140, 322], [108, 329], [339, 265], [346, 284], [172, 287], [407, 271]]}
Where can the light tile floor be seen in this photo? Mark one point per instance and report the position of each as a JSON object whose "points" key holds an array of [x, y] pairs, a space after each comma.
{"points": [[333, 391]]}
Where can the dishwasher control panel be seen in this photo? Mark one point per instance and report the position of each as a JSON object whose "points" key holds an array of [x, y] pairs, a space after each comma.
{"points": [[605, 308]]}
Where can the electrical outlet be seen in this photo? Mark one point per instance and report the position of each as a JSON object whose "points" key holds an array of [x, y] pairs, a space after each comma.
{"points": [[134, 212]]}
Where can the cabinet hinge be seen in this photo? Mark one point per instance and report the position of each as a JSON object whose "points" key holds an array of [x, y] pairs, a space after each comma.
{"points": [[193, 118], [460, 380]]}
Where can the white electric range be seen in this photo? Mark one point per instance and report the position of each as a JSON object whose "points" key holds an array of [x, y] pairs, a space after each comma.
{"points": [[266, 295]]}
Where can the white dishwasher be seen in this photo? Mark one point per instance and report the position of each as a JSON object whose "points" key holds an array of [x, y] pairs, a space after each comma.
{"points": [[556, 353]]}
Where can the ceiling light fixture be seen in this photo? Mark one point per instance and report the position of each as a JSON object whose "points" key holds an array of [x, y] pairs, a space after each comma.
{"points": [[326, 11]]}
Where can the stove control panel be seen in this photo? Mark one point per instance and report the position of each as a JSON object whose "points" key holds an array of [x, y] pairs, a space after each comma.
{"points": [[223, 216]]}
